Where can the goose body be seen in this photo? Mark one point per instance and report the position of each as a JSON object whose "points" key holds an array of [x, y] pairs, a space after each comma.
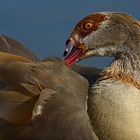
{"points": [[41, 100], [113, 117], [114, 99]]}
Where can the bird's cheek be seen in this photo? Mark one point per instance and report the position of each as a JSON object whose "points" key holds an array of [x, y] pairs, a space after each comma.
{"points": [[83, 47], [79, 43]]}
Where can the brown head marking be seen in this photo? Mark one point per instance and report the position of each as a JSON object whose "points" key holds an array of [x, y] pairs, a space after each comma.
{"points": [[89, 24]]}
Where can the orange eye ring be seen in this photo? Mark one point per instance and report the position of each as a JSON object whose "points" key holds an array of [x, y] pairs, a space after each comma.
{"points": [[88, 25]]}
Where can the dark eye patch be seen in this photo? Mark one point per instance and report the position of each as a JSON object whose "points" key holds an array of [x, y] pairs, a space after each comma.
{"points": [[95, 19]]}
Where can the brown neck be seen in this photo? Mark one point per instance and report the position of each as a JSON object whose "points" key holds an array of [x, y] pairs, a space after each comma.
{"points": [[124, 69]]}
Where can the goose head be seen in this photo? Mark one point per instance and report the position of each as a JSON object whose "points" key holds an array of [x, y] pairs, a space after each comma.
{"points": [[103, 34]]}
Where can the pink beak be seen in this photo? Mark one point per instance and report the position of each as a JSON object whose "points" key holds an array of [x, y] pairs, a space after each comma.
{"points": [[72, 53]]}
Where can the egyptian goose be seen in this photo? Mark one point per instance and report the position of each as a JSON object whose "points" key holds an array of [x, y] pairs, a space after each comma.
{"points": [[114, 99], [41, 100]]}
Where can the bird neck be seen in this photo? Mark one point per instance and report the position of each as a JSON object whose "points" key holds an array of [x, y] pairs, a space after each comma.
{"points": [[125, 69]]}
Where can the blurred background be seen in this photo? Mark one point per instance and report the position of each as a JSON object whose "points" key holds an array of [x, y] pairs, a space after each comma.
{"points": [[44, 25]]}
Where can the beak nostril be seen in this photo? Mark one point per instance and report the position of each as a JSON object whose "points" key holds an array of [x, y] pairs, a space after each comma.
{"points": [[65, 53], [67, 42]]}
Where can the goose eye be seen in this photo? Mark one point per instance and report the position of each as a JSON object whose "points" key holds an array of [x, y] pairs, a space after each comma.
{"points": [[88, 25]]}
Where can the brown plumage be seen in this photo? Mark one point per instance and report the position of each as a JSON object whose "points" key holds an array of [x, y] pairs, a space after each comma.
{"points": [[42, 100], [10, 45]]}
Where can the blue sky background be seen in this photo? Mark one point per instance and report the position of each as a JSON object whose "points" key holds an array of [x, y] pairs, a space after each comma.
{"points": [[44, 25]]}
